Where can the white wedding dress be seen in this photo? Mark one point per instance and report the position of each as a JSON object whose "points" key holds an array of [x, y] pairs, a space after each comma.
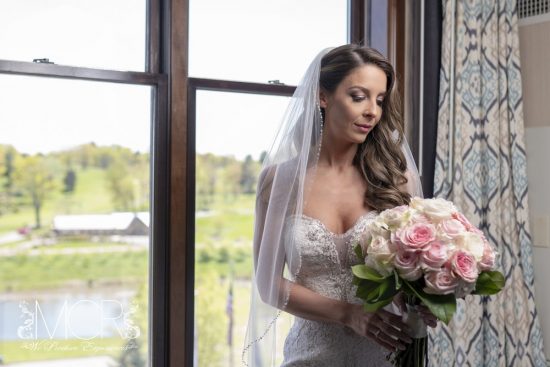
{"points": [[326, 259]]}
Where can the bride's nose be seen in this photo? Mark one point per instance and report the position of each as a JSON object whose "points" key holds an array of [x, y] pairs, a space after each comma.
{"points": [[370, 110]]}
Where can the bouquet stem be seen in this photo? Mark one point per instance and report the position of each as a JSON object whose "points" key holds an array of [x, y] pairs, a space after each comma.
{"points": [[416, 353]]}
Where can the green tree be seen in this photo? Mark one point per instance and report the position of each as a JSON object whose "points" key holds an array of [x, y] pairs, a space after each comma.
{"points": [[7, 159], [34, 175], [211, 320], [248, 175], [85, 154], [69, 181], [9, 168], [230, 175], [205, 180], [128, 180], [121, 186]]}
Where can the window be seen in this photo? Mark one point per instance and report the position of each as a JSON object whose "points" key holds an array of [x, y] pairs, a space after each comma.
{"points": [[259, 41], [99, 34], [233, 123], [83, 184]]}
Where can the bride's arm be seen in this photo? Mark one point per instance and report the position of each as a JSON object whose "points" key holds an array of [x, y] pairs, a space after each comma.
{"points": [[385, 328]]}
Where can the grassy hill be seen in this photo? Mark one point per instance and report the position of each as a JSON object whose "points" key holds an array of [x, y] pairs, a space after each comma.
{"points": [[90, 196]]}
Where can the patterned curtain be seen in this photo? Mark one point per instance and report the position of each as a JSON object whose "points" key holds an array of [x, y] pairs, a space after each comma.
{"points": [[481, 166]]}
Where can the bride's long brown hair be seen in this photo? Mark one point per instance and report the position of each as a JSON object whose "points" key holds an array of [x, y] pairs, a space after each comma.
{"points": [[379, 158]]}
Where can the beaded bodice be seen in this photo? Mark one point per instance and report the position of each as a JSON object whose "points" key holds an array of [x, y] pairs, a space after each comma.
{"points": [[324, 266]]}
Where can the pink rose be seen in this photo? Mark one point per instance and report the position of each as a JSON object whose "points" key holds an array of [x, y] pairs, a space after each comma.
{"points": [[450, 229], [464, 266], [488, 259], [462, 219], [440, 282], [407, 266], [416, 237], [434, 255]]}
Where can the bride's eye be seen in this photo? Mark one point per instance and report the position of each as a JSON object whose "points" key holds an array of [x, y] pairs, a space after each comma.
{"points": [[379, 102], [357, 98]]}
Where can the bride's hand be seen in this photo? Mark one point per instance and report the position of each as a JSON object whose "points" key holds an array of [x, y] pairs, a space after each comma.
{"points": [[383, 327], [424, 312], [427, 315]]}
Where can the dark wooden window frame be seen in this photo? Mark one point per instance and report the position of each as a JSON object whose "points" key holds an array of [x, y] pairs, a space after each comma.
{"points": [[173, 156], [194, 85], [159, 44], [357, 33], [173, 152]]}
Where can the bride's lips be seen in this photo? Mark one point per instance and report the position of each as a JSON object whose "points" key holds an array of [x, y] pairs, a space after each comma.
{"points": [[365, 128]]}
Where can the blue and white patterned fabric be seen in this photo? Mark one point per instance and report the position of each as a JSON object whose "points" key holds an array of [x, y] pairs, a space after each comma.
{"points": [[488, 182]]}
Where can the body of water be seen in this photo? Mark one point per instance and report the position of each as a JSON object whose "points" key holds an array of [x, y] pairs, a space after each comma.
{"points": [[84, 316]]}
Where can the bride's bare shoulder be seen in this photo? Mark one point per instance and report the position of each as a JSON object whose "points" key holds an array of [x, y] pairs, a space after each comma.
{"points": [[284, 172]]}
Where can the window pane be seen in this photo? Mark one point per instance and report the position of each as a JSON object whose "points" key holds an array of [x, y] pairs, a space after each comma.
{"points": [[74, 221], [258, 41], [103, 34], [227, 166]]}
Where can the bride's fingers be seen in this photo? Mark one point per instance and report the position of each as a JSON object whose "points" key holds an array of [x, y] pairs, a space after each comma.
{"points": [[429, 318], [376, 337], [430, 321], [396, 334], [399, 301], [385, 325], [393, 320], [395, 343]]}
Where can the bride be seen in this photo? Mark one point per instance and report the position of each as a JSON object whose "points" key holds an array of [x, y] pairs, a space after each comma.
{"points": [[340, 157]]}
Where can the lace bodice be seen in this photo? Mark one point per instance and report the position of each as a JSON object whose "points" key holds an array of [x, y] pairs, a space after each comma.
{"points": [[326, 258], [323, 264]]}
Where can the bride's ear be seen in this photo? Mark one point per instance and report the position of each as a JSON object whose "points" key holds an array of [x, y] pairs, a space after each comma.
{"points": [[323, 99]]}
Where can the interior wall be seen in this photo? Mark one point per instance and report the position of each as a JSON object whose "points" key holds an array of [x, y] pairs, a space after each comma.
{"points": [[535, 72]]}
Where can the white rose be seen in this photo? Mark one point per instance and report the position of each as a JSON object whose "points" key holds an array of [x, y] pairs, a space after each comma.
{"points": [[382, 251], [471, 243], [382, 269], [438, 209], [364, 241], [378, 228], [397, 217], [417, 203]]}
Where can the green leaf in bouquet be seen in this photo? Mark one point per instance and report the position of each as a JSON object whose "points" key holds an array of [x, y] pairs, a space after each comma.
{"points": [[398, 282], [443, 306], [385, 290], [488, 283], [365, 287], [375, 306], [359, 252], [366, 272]]}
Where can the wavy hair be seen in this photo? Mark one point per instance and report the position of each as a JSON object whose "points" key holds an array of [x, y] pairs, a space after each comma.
{"points": [[379, 158]]}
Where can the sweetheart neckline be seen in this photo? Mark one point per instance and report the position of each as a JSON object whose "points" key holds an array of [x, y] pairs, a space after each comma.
{"points": [[339, 235]]}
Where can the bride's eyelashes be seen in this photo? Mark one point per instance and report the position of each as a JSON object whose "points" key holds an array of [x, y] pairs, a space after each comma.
{"points": [[360, 98], [357, 98]]}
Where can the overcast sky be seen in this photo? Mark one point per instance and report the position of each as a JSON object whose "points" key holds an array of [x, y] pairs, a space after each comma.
{"points": [[250, 40]]}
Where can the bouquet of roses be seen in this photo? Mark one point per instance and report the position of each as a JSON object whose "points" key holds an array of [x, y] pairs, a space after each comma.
{"points": [[429, 251]]}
